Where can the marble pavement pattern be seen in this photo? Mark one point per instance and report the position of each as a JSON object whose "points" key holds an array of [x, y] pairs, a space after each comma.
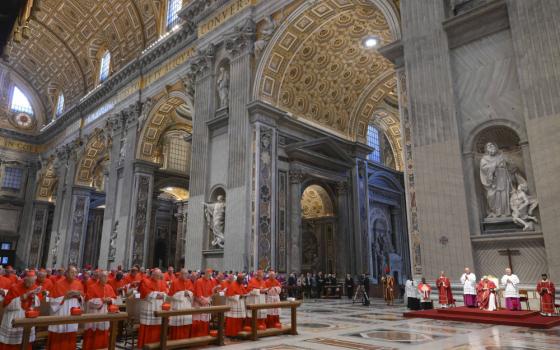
{"points": [[337, 324]]}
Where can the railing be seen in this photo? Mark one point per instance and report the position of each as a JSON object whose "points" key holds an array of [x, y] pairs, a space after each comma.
{"points": [[255, 333], [165, 344], [43, 321]]}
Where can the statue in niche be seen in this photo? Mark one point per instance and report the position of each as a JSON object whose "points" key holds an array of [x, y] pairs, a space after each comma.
{"points": [[496, 179], [113, 242], [122, 151], [522, 206], [216, 218], [223, 87]]}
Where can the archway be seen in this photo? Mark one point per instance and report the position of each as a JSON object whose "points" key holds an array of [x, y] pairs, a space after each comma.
{"points": [[318, 251]]}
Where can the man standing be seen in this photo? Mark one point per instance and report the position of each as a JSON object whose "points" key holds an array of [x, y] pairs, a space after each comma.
{"points": [[203, 291], [181, 294], [66, 294], [43, 282], [257, 290], [510, 284], [153, 291], [98, 296], [349, 283], [425, 290], [443, 285], [21, 297], [272, 296], [468, 280], [546, 290], [169, 276], [235, 299], [388, 288], [412, 301]]}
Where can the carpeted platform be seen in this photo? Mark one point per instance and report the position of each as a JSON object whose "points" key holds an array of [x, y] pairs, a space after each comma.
{"points": [[523, 318]]}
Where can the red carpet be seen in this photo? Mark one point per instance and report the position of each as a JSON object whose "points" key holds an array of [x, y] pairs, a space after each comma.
{"points": [[531, 319]]}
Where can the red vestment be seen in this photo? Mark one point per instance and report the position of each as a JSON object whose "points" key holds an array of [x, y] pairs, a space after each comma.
{"points": [[253, 284], [425, 291], [178, 327], [63, 337], [483, 291], [150, 326], [203, 291], [116, 285], [236, 316], [445, 294], [169, 277], [10, 337], [96, 335], [546, 290], [273, 315]]}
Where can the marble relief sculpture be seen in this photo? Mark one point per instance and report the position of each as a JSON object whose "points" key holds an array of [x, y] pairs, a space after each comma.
{"points": [[215, 217], [496, 179], [223, 87], [522, 207]]}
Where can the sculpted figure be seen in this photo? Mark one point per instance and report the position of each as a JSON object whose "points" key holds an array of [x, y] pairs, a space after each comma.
{"points": [[496, 179], [216, 217], [522, 207], [265, 35], [113, 242], [223, 87]]}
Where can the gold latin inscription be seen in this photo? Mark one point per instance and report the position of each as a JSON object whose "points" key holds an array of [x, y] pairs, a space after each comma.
{"points": [[222, 16]]}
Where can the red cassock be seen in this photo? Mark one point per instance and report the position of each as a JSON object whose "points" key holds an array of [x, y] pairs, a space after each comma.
{"points": [[254, 284], [116, 285], [547, 292], [180, 326], [203, 290], [150, 326], [483, 291], [273, 296], [5, 283], [444, 287], [169, 277], [235, 318], [10, 337], [96, 335], [63, 337]]}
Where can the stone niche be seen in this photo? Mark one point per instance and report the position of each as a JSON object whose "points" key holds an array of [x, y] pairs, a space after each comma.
{"points": [[515, 173]]}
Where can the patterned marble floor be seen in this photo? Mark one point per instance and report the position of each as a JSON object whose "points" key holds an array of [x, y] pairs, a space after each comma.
{"points": [[337, 324]]}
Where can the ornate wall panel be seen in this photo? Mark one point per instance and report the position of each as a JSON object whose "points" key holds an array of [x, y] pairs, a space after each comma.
{"points": [[40, 217], [140, 222], [265, 153], [282, 225], [96, 150], [78, 228]]}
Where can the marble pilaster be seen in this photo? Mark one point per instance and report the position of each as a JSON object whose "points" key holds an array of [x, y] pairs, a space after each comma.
{"points": [[26, 227], [343, 248], [38, 231], [77, 227], [295, 233]]}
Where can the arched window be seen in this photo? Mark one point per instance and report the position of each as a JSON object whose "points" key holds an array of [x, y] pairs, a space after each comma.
{"points": [[60, 105], [373, 142], [104, 66], [172, 18], [20, 102]]}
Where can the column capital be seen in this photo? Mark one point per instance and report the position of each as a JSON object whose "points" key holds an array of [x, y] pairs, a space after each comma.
{"points": [[342, 187], [201, 64], [242, 40], [296, 176]]}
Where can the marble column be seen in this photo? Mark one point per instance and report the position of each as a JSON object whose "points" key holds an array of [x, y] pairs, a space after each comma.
{"points": [[239, 47], [342, 235], [204, 106], [26, 228], [181, 215], [77, 227], [473, 204], [360, 238], [295, 238], [38, 231]]}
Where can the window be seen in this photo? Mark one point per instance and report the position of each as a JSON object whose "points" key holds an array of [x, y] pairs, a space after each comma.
{"points": [[20, 102], [177, 156], [12, 178], [60, 105], [373, 142], [6, 246], [173, 7], [104, 66]]}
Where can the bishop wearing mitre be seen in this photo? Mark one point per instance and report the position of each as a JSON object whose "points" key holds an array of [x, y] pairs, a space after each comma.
{"points": [[21, 297], [181, 294], [98, 296], [66, 294], [153, 291]]}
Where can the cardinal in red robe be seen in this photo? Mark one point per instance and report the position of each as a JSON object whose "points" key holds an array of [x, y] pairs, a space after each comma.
{"points": [[235, 299], [169, 276], [44, 282], [21, 297], [153, 291], [118, 284], [546, 290], [98, 296], [272, 296], [11, 274], [257, 295], [443, 285], [66, 294], [181, 294], [203, 291]]}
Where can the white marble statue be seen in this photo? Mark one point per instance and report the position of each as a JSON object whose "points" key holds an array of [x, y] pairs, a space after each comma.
{"points": [[265, 35], [216, 218], [113, 242], [223, 87], [496, 179], [522, 206]]}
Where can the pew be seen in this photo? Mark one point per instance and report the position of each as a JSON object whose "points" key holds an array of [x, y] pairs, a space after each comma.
{"points": [[44, 321], [255, 333], [165, 344]]}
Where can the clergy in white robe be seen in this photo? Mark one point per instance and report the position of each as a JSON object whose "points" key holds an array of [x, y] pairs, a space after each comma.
{"points": [[468, 280], [510, 284]]}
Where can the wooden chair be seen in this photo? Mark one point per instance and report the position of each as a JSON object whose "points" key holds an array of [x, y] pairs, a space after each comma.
{"points": [[524, 298]]}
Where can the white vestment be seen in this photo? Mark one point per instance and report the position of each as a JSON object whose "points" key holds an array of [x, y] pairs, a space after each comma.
{"points": [[180, 301], [12, 335], [511, 289], [469, 283], [61, 307]]}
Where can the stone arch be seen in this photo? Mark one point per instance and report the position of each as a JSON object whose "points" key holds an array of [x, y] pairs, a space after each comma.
{"points": [[163, 117], [469, 142], [389, 124], [324, 39], [385, 179], [47, 181], [316, 202], [96, 150]]}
